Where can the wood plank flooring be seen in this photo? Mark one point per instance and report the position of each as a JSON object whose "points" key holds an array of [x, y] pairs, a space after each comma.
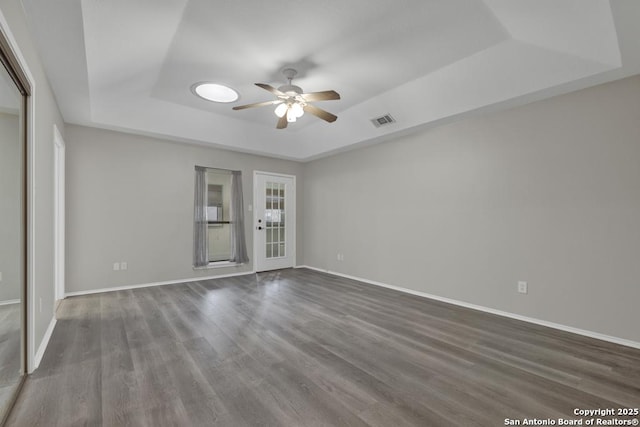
{"points": [[302, 348]]}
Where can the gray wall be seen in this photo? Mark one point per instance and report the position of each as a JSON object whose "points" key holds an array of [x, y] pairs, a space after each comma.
{"points": [[11, 199], [130, 198], [45, 114], [548, 193]]}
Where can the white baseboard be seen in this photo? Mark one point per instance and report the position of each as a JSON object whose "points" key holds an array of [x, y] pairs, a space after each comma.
{"points": [[147, 285], [43, 345], [322, 270], [10, 302], [590, 334]]}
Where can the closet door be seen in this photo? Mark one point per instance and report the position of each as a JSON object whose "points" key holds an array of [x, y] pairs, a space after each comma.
{"points": [[13, 96]]}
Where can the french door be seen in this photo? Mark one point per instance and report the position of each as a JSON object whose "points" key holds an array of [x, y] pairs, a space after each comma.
{"points": [[274, 221]]}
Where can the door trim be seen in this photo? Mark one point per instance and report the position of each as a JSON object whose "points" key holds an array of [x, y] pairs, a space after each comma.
{"points": [[59, 215], [254, 218]]}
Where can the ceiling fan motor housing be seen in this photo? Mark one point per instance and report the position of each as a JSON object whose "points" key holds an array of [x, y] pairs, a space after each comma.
{"points": [[290, 89]]}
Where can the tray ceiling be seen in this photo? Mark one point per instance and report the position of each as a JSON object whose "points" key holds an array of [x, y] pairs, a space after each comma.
{"points": [[130, 65]]}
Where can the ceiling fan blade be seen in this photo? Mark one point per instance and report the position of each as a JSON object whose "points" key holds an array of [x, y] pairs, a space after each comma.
{"points": [[282, 122], [327, 95], [258, 104], [324, 115], [271, 89]]}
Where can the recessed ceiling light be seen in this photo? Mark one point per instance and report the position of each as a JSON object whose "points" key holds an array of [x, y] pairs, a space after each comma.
{"points": [[215, 92]]}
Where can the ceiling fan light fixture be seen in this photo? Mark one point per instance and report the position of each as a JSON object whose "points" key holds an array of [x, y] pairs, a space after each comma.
{"points": [[291, 116], [215, 92], [297, 110], [281, 110]]}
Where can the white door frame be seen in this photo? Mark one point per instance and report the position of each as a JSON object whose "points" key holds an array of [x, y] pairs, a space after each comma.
{"points": [[59, 213], [291, 202]]}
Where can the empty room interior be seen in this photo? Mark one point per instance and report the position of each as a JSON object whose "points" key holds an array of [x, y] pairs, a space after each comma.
{"points": [[363, 213]]}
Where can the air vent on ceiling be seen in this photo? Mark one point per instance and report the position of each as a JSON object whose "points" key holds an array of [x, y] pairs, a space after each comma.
{"points": [[383, 120]]}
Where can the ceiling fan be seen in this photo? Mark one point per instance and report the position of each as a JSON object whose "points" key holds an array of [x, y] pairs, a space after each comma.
{"points": [[292, 103]]}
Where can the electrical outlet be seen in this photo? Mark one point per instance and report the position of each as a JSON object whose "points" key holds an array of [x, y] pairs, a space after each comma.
{"points": [[116, 266], [522, 287], [123, 265]]}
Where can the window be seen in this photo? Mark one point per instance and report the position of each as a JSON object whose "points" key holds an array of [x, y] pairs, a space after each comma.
{"points": [[218, 227], [218, 219]]}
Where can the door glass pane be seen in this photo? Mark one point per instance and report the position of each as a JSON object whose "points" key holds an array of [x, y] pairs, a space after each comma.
{"points": [[274, 219]]}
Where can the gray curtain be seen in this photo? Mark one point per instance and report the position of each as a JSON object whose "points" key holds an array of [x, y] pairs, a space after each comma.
{"points": [[200, 243], [238, 244]]}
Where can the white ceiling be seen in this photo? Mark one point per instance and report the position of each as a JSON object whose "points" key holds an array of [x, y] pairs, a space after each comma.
{"points": [[129, 65]]}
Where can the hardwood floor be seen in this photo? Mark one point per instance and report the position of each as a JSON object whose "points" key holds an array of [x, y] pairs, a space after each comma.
{"points": [[302, 348]]}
